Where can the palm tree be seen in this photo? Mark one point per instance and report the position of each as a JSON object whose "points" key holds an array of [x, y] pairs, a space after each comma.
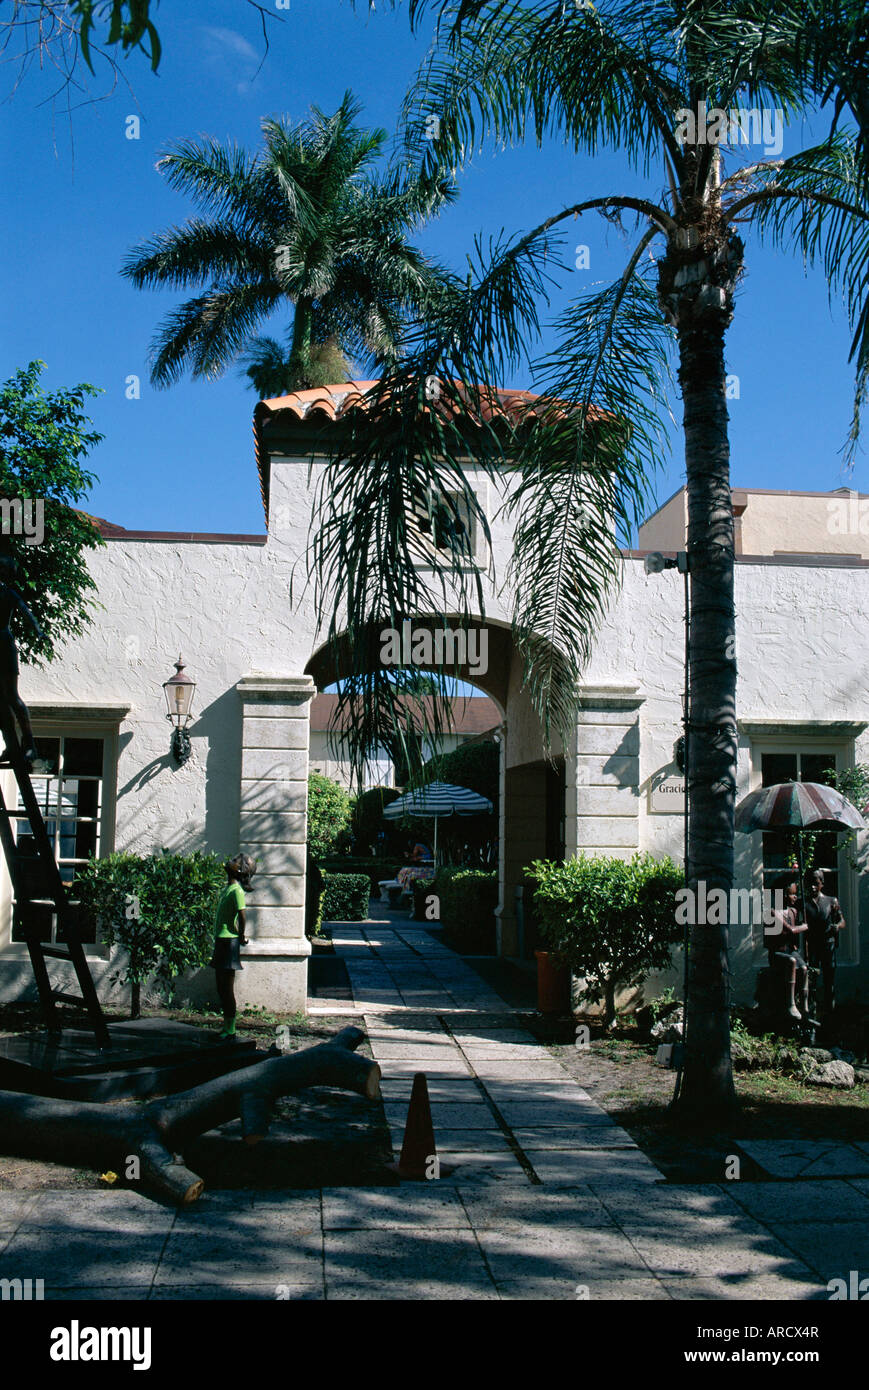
{"points": [[304, 222], [640, 78]]}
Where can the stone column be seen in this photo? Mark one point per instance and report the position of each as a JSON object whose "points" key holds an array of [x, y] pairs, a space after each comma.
{"points": [[603, 796], [273, 830]]}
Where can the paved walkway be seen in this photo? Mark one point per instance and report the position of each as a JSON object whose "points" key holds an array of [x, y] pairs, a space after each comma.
{"points": [[546, 1198]]}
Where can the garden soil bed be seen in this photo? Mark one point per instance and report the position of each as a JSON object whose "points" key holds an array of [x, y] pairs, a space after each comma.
{"points": [[620, 1073]]}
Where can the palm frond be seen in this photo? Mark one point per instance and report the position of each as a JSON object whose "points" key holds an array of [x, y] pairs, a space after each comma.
{"points": [[595, 441]]}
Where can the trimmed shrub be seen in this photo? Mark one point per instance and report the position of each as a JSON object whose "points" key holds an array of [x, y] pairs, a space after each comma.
{"points": [[609, 920], [158, 909], [376, 869], [345, 898], [468, 898], [329, 807]]}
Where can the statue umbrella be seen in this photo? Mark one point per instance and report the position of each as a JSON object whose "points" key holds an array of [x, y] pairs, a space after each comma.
{"points": [[436, 800], [799, 806]]}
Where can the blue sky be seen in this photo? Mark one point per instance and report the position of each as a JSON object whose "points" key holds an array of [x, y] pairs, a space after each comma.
{"points": [[79, 194]]}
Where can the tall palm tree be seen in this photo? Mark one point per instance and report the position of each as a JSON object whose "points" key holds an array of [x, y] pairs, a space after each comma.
{"points": [[306, 223], [642, 79]]}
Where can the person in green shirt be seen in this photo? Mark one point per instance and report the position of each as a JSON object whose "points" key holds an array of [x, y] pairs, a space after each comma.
{"points": [[229, 925]]}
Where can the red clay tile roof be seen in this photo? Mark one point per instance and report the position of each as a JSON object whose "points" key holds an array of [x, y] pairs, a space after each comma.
{"points": [[330, 403], [471, 714]]}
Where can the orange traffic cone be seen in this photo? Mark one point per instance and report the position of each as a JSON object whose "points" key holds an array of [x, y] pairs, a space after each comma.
{"points": [[419, 1160]]}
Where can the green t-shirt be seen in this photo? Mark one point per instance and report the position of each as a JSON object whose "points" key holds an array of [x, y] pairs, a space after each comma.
{"points": [[230, 905]]}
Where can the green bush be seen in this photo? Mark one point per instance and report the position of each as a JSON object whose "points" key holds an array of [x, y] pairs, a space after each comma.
{"points": [[367, 818], [376, 869], [609, 920], [158, 909], [329, 807], [468, 898], [345, 897]]}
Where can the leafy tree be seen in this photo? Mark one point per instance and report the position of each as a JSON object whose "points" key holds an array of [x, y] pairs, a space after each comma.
{"points": [[640, 79], [305, 222], [159, 910], [44, 438], [610, 920], [329, 809], [367, 817]]}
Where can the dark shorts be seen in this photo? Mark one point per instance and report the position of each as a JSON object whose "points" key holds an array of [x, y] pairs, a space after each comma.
{"points": [[791, 956], [227, 954]]}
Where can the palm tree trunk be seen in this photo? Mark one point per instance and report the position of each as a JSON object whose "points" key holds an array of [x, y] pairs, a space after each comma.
{"points": [[707, 1082]]}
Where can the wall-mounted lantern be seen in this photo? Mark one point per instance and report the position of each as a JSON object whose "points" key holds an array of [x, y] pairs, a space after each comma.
{"points": [[179, 691]]}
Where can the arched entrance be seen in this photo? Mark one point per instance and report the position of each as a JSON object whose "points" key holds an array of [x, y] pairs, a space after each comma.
{"points": [[534, 790]]}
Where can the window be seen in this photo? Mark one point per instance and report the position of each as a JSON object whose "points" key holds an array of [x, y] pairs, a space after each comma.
{"points": [[779, 845], [68, 781], [780, 760], [445, 519]]}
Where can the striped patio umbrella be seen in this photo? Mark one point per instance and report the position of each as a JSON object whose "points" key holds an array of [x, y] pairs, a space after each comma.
{"points": [[436, 800]]}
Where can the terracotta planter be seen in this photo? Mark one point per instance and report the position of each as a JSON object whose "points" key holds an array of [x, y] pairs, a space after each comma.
{"points": [[553, 985]]}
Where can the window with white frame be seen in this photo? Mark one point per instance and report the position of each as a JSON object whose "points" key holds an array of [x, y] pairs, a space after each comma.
{"points": [[69, 780]]}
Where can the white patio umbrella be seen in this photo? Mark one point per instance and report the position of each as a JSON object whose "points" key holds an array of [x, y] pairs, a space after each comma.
{"points": [[435, 801]]}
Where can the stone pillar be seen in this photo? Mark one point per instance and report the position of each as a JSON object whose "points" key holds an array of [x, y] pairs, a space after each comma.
{"points": [[273, 830], [603, 797]]}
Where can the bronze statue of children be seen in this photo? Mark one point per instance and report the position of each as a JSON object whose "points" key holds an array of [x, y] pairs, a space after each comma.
{"points": [[10, 599], [229, 925], [785, 958]]}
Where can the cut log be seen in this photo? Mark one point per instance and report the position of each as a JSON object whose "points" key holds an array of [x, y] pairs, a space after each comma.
{"points": [[64, 1131]]}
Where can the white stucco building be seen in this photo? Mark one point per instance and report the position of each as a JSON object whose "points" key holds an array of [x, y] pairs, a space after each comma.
{"points": [[224, 602]]}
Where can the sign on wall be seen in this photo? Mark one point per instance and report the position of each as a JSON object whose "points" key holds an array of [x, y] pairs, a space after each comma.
{"points": [[667, 797]]}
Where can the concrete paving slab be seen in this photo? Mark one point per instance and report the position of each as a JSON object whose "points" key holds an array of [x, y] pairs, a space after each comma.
{"points": [[423, 1053], [178, 1293], [259, 1256], [95, 1211], [524, 1092], [821, 1200], [431, 1264], [563, 1167], [472, 1140], [490, 1069], [446, 1116], [591, 1290], [574, 1137], [666, 1204], [831, 1249], [524, 1209], [574, 1256], [506, 1034], [393, 1208], [462, 1089], [557, 1115], [449, 1066], [716, 1249], [477, 1167], [13, 1208], [806, 1158], [108, 1293], [506, 1052], [81, 1258], [747, 1286]]}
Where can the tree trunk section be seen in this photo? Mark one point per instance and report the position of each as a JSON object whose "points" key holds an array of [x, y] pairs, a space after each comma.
{"points": [[696, 284], [109, 1136]]}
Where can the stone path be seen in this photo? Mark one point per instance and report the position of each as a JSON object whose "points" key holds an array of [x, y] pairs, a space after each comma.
{"points": [[547, 1197]]}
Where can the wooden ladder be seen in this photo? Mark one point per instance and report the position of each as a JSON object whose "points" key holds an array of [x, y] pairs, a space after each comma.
{"points": [[36, 882]]}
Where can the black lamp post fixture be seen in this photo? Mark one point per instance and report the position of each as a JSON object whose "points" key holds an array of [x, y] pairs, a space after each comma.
{"points": [[179, 690]]}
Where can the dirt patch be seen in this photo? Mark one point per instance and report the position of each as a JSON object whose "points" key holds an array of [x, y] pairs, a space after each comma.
{"points": [[620, 1073]]}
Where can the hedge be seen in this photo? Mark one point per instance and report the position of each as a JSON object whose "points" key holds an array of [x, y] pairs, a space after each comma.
{"points": [[468, 898], [376, 869], [345, 897]]}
